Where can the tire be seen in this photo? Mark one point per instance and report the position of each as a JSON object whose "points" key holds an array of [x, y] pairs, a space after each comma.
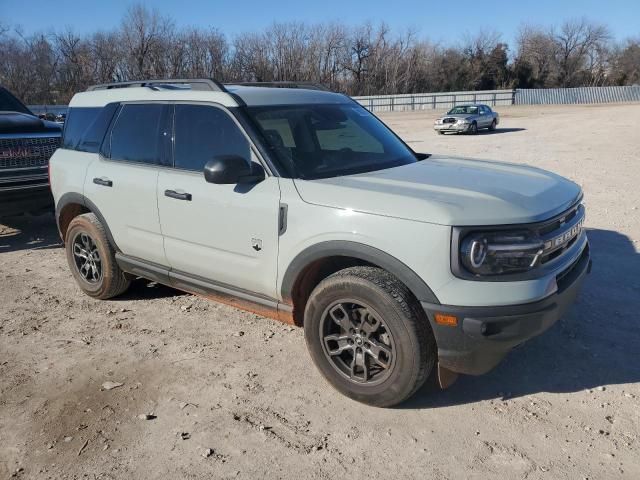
{"points": [[92, 260], [492, 127], [388, 327], [473, 130]]}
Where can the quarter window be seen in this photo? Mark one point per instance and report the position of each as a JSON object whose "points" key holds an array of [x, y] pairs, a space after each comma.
{"points": [[77, 122], [136, 136], [202, 133]]}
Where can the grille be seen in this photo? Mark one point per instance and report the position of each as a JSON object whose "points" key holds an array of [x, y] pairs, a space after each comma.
{"points": [[561, 233], [27, 152], [448, 120]]}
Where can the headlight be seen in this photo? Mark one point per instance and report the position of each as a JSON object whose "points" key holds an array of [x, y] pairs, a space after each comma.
{"points": [[498, 253], [463, 120]]}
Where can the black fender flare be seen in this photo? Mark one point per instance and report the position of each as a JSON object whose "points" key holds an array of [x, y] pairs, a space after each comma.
{"points": [[367, 253], [78, 198]]}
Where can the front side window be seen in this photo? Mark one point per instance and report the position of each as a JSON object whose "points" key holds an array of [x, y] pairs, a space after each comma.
{"points": [[321, 141], [137, 134], [203, 132]]}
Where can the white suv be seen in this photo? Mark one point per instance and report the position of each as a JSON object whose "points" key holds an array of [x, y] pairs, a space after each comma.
{"points": [[300, 205]]}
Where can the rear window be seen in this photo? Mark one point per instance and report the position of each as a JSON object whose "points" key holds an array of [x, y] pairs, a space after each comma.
{"points": [[136, 135], [77, 122]]}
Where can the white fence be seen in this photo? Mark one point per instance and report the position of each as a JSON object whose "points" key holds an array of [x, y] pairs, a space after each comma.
{"points": [[535, 96], [494, 98], [555, 96], [430, 101]]}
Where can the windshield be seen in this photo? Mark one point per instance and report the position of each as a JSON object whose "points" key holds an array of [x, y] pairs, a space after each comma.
{"points": [[464, 109], [9, 103], [321, 141]]}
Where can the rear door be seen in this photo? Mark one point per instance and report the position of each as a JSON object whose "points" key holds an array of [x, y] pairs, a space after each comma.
{"points": [[122, 182], [227, 234]]}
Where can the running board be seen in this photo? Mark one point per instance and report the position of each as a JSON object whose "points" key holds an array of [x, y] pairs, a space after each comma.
{"points": [[242, 299]]}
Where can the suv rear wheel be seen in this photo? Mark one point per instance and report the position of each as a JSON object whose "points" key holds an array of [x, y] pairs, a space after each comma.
{"points": [[92, 259], [367, 336]]}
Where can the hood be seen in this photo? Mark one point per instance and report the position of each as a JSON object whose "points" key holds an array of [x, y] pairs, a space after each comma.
{"points": [[16, 122], [449, 191], [458, 115]]}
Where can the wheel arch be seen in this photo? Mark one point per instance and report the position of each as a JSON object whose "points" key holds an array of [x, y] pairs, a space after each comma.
{"points": [[317, 262], [71, 205]]}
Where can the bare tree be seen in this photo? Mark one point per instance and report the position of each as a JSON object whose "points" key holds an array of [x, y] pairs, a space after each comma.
{"points": [[625, 63], [144, 34], [580, 47], [359, 60]]}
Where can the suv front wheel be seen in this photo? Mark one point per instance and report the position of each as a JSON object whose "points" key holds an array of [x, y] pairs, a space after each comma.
{"points": [[92, 259], [367, 336]]}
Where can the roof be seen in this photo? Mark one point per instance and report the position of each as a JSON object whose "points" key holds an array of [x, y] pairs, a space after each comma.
{"points": [[232, 97], [470, 105], [260, 96], [100, 98]]}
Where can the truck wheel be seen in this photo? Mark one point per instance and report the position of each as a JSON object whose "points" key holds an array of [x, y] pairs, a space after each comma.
{"points": [[92, 259], [368, 337]]}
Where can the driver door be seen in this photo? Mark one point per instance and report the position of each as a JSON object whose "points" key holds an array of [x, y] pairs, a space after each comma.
{"points": [[226, 234]]}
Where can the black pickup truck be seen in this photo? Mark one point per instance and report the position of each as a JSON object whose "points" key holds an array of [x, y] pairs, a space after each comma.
{"points": [[26, 144]]}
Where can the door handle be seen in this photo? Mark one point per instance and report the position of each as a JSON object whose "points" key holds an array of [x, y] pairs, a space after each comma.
{"points": [[177, 195], [105, 182]]}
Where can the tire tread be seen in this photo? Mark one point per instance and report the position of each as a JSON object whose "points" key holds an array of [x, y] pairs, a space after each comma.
{"points": [[414, 318]]}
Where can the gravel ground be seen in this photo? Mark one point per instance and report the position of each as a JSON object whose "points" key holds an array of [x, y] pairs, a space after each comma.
{"points": [[160, 384]]}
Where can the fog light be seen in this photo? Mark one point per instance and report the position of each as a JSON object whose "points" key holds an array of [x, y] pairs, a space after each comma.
{"points": [[446, 320]]}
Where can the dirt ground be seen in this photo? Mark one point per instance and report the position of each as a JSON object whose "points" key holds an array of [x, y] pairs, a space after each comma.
{"points": [[565, 405]]}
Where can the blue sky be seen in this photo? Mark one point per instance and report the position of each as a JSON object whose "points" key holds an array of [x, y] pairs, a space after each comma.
{"points": [[438, 20]]}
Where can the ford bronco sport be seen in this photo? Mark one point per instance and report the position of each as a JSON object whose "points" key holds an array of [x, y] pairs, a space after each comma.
{"points": [[26, 143], [300, 205]]}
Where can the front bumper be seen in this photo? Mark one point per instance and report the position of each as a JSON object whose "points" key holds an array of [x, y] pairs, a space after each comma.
{"points": [[484, 335], [452, 127]]}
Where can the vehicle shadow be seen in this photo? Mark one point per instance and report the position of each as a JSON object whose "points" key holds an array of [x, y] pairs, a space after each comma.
{"points": [[41, 233], [143, 289], [28, 232], [595, 344], [500, 130]]}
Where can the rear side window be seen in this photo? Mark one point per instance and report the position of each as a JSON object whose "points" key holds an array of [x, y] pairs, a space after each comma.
{"points": [[202, 133], [95, 133], [136, 135], [77, 122]]}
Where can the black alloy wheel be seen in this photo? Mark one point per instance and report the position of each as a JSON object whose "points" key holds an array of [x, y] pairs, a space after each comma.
{"points": [[357, 343], [87, 258]]}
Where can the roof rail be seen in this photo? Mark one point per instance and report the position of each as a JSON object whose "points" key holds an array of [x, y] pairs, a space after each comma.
{"points": [[284, 84], [195, 84]]}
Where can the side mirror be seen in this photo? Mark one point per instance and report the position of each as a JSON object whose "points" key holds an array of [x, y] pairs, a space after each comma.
{"points": [[232, 169]]}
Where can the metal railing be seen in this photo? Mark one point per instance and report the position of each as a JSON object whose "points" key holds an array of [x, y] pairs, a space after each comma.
{"points": [[580, 95], [431, 101], [493, 98]]}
